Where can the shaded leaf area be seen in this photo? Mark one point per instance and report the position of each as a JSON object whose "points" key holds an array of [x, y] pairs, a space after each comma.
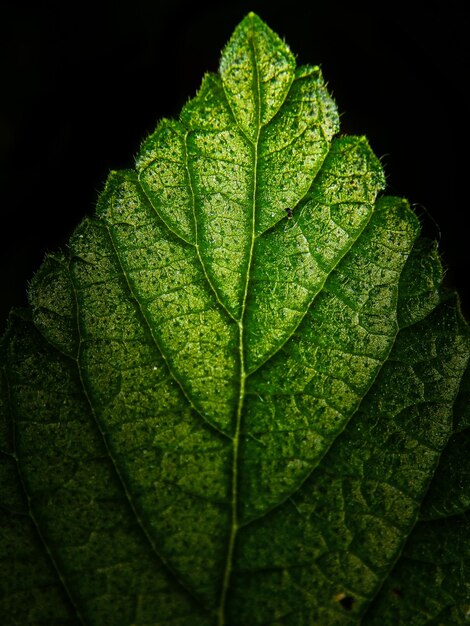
{"points": [[98, 553], [339, 534], [430, 583], [32, 592], [219, 412]]}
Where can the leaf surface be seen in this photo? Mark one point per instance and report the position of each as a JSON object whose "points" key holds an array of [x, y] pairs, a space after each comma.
{"points": [[241, 395]]}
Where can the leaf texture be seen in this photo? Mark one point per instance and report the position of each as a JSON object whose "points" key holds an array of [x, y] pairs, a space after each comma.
{"points": [[241, 394]]}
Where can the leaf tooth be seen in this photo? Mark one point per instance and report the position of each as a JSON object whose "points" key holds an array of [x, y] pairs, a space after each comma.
{"points": [[257, 69], [161, 166]]}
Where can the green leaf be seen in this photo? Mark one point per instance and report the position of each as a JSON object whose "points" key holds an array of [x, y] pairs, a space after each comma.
{"points": [[241, 394]]}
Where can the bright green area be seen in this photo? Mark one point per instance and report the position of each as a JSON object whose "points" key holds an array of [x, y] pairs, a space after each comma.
{"points": [[220, 412]]}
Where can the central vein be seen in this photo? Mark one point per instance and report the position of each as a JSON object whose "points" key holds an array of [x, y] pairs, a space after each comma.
{"points": [[234, 526], [234, 498]]}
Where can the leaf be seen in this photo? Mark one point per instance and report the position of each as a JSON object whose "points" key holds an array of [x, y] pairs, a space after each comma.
{"points": [[241, 394]]}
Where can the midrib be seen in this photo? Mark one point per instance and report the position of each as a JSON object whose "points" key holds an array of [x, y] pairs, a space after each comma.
{"points": [[243, 375]]}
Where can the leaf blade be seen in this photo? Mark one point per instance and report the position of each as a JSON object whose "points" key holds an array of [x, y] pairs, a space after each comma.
{"points": [[239, 379]]}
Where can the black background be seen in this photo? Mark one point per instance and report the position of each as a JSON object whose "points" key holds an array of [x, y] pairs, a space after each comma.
{"points": [[82, 87]]}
